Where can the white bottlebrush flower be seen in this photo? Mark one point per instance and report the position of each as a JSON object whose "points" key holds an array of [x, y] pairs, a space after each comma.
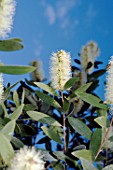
{"points": [[1, 88], [27, 159], [60, 69], [7, 10], [89, 54], [109, 84]]}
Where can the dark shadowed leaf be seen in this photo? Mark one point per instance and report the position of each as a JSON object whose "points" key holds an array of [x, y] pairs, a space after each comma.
{"points": [[16, 142], [70, 82], [11, 45], [95, 142]]}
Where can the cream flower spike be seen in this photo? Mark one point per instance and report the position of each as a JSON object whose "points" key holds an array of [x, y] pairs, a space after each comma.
{"points": [[109, 84], [1, 88], [60, 69], [7, 10], [89, 54], [27, 159]]}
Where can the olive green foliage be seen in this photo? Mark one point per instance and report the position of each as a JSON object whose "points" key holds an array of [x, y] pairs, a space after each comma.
{"points": [[36, 114]]}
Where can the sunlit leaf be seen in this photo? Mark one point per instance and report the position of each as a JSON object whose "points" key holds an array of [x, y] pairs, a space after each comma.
{"points": [[87, 165], [6, 149], [80, 127], [91, 99], [102, 121], [15, 115], [47, 88], [8, 129], [43, 118], [51, 134], [16, 70], [86, 154]]}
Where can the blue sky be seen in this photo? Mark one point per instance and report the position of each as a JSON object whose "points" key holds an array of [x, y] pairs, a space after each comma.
{"points": [[50, 25]]}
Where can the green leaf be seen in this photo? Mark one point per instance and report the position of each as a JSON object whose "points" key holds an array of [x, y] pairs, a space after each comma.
{"points": [[60, 155], [86, 154], [8, 129], [28, 107], [51, 134], [25, 130], [6, 150], [23, 96], [11, 45], [91, 99], [87, 165], [15, 115], [17, 143], [70, 82], [80, 127], [66, 105], [83, 88], [47, 99], [109, 167], [43, 118], [46, 88], [16, 98], [102, 121], [7, 91], [95, 141], [16, 70], [57, 165]]}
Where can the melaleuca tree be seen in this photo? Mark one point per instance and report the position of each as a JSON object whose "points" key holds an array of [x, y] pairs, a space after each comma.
{"points": [[62, 124]]}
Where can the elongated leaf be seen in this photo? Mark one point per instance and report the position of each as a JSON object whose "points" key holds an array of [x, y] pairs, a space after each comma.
{"points": [[47, 99], [57, 165], [47, 88], [51, 134], [15, 115], [17, 143], [60, 155], [7, 91], [70, 82], [83, 88], [87, 165], [86, 154], [95, 142], [80, 127], [43, 118], [16, 98], [8, 129], [6, 150], [109, 167], [10, 45], [16, 70], [102, 121], [91, 99]]}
